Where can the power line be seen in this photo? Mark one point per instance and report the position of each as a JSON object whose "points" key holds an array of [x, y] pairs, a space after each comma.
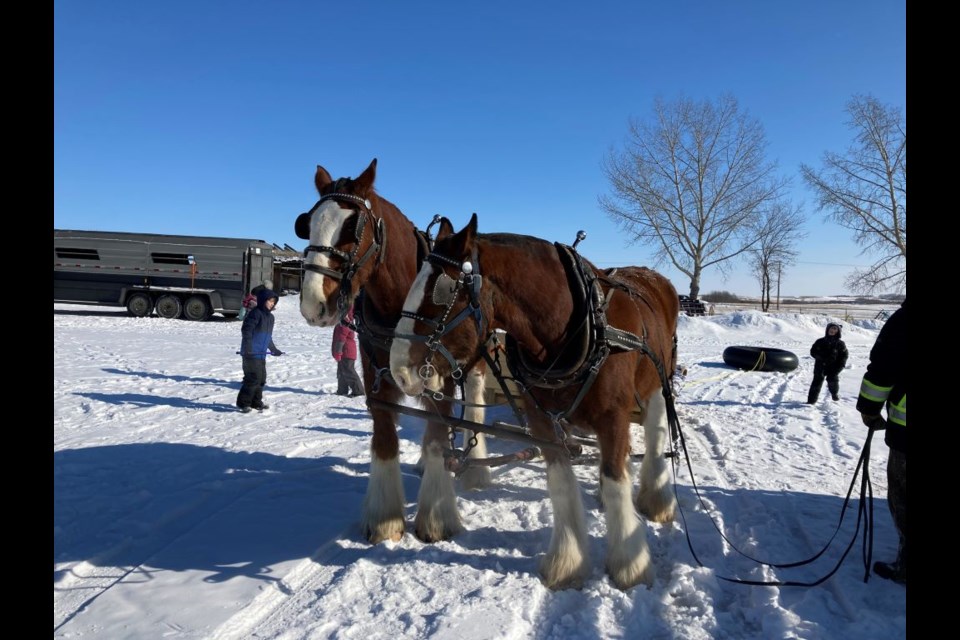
{"points": [[825, 264], [832, 264]]}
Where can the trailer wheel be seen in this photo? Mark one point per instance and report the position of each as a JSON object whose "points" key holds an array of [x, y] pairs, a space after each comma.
{"points": [[139, 305], [169, 306], [197, 308]]}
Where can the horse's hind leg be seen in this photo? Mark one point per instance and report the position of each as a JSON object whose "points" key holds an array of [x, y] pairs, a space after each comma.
{"points": [[567, 562], [437, 516], [475, 477], [628, 556], [383, 505], [656, 499]]}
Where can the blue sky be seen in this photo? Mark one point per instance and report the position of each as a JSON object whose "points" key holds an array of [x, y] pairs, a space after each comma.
{"points": [[210, 118]]}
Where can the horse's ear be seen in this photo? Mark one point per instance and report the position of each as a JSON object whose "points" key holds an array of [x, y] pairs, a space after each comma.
{"points": [[321, 179], [364, 183], [464, 239], [446, 229], [470, 231]]}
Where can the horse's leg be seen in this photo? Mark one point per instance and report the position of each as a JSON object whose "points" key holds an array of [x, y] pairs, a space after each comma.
{"points": [[567, 562], [655, 499], [383, 505], [475, 477], [437, 516], [628, 556]]}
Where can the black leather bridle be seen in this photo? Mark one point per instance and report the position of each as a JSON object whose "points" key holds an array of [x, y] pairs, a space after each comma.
{"points": [[349, 262]]}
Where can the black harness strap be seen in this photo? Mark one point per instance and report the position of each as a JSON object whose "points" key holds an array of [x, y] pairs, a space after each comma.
{"points": [[596, 351]]}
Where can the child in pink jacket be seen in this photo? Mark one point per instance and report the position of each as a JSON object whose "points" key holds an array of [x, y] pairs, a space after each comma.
{"points": [[344, 349]]}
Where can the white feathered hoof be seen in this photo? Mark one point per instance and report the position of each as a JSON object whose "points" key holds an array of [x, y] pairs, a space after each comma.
{"points": [[657, 505], [476, 478], [383, 504], [626, 573], [389, 530], [430, 527], [437, 516], [564, 571], [656, 500]]}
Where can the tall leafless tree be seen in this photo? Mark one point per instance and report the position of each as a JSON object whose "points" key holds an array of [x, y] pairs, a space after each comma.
{"points": [[865, 191], [692, 182], [778, 232]]}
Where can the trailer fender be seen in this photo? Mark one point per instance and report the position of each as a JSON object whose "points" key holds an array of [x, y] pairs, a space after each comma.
{"points": [[216, 300]]}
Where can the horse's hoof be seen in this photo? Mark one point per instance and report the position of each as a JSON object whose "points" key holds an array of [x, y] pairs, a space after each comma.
{"points": [[476, 478], [436, 534], [656, 506], [626, 579], [659, 514], [376, 535], [557, 575], [570, 582]]}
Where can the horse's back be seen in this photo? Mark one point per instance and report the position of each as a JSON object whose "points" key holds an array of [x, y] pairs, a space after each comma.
{"points": [[655, 298], [655, 290]]}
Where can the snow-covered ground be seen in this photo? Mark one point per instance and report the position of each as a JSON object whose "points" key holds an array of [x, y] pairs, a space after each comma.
{"points": [[176, 516]]}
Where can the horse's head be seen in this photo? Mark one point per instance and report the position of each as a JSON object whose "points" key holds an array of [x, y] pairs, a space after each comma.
{"points": [[439, 333], [346, 236]]}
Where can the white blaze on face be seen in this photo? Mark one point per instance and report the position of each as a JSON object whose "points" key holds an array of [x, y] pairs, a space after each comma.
{"points": [[325, 225], [404, 372]]}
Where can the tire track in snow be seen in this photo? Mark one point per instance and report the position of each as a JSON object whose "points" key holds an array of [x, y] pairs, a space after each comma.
{"points": [[268, 614], [708, 455]]}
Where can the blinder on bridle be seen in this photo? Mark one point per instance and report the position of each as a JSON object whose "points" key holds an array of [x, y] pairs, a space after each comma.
{"points": [[444, 290]]}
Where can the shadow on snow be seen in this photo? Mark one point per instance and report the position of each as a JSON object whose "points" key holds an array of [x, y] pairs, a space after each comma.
{"points": [[179, 507]]}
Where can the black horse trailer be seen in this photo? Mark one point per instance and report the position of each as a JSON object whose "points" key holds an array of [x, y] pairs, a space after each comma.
{"points": [[178, 276]]}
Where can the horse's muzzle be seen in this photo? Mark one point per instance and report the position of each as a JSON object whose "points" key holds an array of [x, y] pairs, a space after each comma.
{"points": [[319, 315]]}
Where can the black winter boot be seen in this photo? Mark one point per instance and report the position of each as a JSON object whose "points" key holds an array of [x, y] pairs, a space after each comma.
{"points": [[891, 571]]}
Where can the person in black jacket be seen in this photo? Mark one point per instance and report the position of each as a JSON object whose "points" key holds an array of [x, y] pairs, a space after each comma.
{"points": [[256, 342], [885, 385], [830, 354]]}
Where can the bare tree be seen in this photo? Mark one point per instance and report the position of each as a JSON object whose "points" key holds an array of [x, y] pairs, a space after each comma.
{"points": [[865, 191], [691, 183], [777, 232]]}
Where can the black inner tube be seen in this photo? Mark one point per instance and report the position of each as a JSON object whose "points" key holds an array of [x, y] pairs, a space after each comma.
{"points": [[761, 359]]}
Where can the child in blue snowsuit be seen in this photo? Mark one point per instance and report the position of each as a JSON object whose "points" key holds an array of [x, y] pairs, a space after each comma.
{"points": [[256, 342]]}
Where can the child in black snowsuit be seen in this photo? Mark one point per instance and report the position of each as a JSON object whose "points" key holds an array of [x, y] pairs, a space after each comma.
{"points": [[830, 354]]}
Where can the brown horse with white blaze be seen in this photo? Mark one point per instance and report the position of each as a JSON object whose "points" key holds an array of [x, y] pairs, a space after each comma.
{"points": [[360, 240], [526, 287]]}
